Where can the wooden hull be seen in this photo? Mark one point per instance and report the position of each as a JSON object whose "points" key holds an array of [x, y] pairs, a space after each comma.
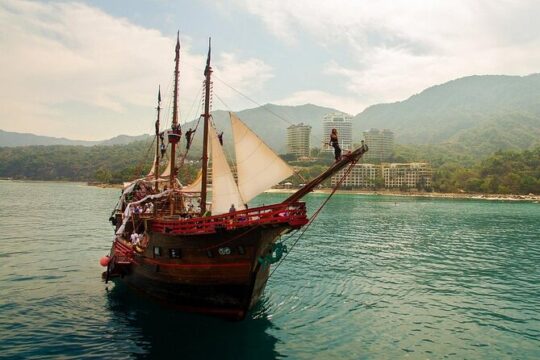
{"points": [[219, 274]]}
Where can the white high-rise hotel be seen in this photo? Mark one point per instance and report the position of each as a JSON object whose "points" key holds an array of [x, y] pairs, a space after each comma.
{"points": [[298, 140], [342, 123]]}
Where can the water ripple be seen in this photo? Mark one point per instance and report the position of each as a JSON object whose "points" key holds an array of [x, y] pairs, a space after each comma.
{"points": [[374, 277]]}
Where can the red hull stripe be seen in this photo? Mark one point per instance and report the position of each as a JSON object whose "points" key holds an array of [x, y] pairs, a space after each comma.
{"points": [[197, 266]]}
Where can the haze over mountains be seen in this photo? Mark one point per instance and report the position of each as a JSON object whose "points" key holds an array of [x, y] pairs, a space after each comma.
{"points": [[10, 139], [486, 113]]}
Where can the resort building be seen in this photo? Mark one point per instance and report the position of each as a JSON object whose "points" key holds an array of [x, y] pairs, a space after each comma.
{"points": [[361, 176], [380, 143], [342, 123], [410, 175], [298, 142]]}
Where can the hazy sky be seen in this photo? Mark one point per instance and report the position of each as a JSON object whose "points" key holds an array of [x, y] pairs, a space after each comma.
{"points": [[90, 69]]}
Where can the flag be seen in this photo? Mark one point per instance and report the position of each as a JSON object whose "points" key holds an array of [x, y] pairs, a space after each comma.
{"points": [[177, 50], [208, 58]]}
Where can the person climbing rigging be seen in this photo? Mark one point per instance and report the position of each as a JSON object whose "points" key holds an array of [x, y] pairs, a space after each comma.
{"points": [[189, 138], [163, 149], [334, 142], [220, 138]]}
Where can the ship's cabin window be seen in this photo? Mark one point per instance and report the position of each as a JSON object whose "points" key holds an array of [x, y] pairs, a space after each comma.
{"points": [[157, 251], [224, 251], [175, 253]]}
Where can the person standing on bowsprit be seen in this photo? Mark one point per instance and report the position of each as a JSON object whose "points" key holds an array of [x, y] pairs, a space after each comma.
{"points": [[334, 142]]}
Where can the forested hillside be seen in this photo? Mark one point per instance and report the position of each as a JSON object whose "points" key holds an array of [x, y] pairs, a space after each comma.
{"points": [[516, 172], [509, 172], [482, 113], [76, 163]]}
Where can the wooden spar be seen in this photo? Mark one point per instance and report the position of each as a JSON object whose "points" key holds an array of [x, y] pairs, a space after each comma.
{"points": [[175, 113], [156, 165], [338, 165], [206, 115], [175, 126]]}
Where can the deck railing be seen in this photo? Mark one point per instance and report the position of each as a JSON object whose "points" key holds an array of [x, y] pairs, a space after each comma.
{"points": [[293, 214]]}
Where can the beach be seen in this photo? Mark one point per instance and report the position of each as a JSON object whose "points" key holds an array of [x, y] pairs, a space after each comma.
{"points": [[503, 197]]}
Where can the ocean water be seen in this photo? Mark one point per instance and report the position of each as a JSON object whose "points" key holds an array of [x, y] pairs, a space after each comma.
{"points": [[372, 278]]}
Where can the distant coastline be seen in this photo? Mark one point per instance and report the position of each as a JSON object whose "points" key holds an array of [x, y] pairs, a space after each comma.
{"points": [[500, 197]]}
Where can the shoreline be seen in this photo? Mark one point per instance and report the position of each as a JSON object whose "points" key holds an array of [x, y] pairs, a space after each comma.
{"points": [[436, 195], [492, 197]]}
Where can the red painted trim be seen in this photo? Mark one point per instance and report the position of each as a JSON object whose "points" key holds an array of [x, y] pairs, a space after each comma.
{"points": [[195, 266]]}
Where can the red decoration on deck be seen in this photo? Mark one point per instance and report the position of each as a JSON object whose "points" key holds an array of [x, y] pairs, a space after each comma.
{"points": [[104, 261]]}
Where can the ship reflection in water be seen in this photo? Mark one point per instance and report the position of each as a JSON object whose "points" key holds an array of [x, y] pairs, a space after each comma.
{"points": [[151, 330]]}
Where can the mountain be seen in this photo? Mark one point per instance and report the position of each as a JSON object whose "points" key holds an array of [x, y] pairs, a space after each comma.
{"points": [[475, 114], [10, 139], [124, 139], [270, 122], [490, 112]]}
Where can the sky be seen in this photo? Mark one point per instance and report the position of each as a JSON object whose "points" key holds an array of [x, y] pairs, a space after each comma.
{"points": [[90, 70]]}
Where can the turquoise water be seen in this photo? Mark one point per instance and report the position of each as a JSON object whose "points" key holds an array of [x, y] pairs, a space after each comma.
{"points": [[373, 277]]}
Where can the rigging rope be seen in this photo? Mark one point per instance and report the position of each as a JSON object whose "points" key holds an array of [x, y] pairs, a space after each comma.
{"points": [[297, 173], [314, 216], [258, 104], [142, 161]]}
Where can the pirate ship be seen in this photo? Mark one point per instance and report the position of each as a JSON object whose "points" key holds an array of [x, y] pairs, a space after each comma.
{"points": [[213, 257]]}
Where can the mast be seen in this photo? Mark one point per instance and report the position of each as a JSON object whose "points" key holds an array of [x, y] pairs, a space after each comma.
{"points": [[206, 115], [156, 165], [175, 126]]}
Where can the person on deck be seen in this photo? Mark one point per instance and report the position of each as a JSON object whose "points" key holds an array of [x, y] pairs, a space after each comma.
{"points": [[334, 142], [189, 138], [134, 239], [149, 208], [232, 209]]}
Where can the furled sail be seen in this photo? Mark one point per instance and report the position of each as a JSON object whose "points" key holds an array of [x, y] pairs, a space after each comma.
{"points": [[224, 188], [258, 166]]}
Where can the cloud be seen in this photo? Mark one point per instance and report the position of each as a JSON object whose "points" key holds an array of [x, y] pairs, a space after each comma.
{"points": [[387, 50], [69, 69], [234, 75]]}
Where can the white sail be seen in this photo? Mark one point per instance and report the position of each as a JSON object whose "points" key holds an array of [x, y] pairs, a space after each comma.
{"points": [[259, 167], [167, 172], [151, 173], [195, 186], [224, 188]]}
